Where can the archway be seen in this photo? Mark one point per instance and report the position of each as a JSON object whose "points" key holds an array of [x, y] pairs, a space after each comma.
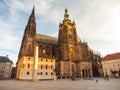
{"points": [[73, 69], [83, 73]]}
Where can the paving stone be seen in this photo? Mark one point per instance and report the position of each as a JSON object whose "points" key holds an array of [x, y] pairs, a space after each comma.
{"points": [[112, 84]]}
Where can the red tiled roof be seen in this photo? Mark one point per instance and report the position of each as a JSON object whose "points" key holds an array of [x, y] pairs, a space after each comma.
{"points": [[44, 55], [111, 56]]}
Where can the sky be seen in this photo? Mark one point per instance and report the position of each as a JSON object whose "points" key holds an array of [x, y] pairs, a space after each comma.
{"points": [[97, 22]]}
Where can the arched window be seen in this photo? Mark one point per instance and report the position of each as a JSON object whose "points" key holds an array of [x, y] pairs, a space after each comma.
{"points": [[71, 51], [29, 47]]}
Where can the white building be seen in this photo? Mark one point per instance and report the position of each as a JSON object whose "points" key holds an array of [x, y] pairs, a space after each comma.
{"points": [[111, 65]]}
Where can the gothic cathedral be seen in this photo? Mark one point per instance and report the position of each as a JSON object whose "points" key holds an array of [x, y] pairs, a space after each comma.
{"points": [[43, 57]]}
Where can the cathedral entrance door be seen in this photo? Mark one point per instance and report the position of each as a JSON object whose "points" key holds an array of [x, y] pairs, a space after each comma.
{"points": [[83, 73]]}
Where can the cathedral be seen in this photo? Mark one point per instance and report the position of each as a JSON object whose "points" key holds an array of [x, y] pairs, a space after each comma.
{"points": [[43, 57]]}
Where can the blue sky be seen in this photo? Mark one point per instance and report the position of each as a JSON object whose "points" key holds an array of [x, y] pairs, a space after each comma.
{"points": [[97, 22]]}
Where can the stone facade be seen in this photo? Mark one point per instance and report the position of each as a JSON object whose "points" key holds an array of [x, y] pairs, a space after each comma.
{"points": [[72, 56], [5, 67]]}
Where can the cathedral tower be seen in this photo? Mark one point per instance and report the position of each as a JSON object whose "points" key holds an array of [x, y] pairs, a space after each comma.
{"points": [[67, 38], [67, 41], [27, 48]]}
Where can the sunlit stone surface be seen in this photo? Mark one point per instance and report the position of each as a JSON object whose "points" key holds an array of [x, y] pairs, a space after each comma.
{"points": [[112, 84]]}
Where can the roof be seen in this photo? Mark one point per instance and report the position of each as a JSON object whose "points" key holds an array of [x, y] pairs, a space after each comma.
{"points": [[44, 55], [46, 37], [4, 59], [111, 56]]}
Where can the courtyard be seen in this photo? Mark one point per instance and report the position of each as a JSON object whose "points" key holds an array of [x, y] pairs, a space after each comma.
{"points": [[112, 84]]}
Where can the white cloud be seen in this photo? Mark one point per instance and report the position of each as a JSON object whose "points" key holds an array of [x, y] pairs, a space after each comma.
{"points": [[100, 26]]}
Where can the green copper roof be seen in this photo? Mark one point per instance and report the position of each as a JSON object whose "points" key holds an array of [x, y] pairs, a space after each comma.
{"points": [[66, 15]]}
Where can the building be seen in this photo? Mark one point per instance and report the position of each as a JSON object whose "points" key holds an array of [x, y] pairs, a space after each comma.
{"points": [[28, 69], [72, 56], [111, 65], [5, 67]]}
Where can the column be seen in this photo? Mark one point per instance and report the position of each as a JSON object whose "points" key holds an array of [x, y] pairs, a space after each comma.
{"points": [[35, 63]]}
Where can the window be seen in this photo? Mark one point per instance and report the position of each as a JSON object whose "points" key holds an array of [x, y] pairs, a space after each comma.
{"points": [[51, 73], [28, 65], [51, 60], [38, 73], [28, 58], [41, 66], [46, 73], [46, 60], [29, 47], [41, 73], [71, 51], [28, 73]]}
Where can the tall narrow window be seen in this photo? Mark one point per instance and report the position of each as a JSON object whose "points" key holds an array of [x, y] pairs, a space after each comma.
{"points": [[29, 47], [41, 66], [71, 51], [28, 65]]}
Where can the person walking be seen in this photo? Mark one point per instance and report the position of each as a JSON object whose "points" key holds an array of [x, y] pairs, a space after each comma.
{"points": [[96, 80]]}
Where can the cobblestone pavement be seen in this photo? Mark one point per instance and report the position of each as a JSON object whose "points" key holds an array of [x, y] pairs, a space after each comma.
{"points": [[112, 84]]}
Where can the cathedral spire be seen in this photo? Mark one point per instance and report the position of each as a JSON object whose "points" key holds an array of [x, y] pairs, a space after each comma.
{"points": [[66, 15], [32, 16], [33, 12]]}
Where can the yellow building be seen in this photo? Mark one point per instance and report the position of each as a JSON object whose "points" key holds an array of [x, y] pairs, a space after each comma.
{"points": [[111, 65], [39, 67]]}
